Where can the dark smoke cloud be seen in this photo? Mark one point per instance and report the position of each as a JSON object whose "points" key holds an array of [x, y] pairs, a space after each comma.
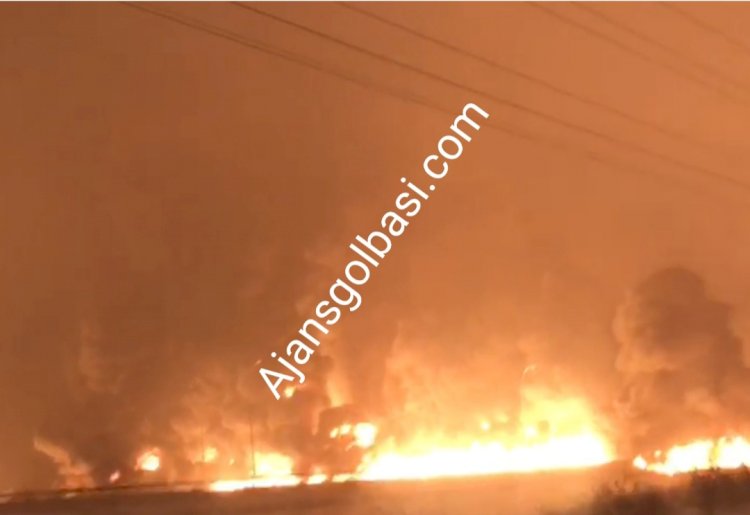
{"points": [[680, 362]]}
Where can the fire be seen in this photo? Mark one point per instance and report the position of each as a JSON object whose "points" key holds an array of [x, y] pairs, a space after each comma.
{"points": [[722, 453], [210, 454], [365, 434], [481, 458], [362, 434], [273, 464], [274, 469], [431, 460], [271, 469], [233, 485], [551, 432], [317, 478], [149, 461], [342, 430]]}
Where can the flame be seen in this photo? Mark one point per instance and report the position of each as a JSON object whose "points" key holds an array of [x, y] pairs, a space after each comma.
{"points": [[550, 433], [233, 485], [210, 454], [365, 435], [317, 478], [362, 434], [722, 453], [273, 464], [428, 459], [481, 458], [149, 461], [271, 469], [341, 430], [534, 448]]}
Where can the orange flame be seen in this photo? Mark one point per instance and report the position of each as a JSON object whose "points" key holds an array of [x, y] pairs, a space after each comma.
{"points": [[365, 435], [556, 433], [362, 435], [272, 469], [438, 460], [149, 461], [480, 458], [722, 453]]}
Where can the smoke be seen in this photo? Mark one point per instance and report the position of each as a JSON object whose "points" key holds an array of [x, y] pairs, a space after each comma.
{"points": [[71, 472], [680, 363], [168, 220]]}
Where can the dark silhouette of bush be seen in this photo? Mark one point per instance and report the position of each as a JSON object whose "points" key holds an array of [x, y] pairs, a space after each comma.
{"points": [[620, 500], [713, 492]]}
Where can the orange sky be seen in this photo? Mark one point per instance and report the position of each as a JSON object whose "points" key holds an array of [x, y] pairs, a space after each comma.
{"points": [[172, 201]]}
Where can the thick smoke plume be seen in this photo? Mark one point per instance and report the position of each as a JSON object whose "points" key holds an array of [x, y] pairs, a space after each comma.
{"points": [[71, 473], [680, 363]]}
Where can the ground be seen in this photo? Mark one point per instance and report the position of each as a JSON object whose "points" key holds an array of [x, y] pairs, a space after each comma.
{"points": [[610, 490]]}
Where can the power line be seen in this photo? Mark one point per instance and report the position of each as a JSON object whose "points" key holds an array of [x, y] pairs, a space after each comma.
{"points": [[525, 76], [513, 105], [317, 66], [267, 49], [409, 98], [296, 59], [666, 48], [634, 51], [707, 27]]}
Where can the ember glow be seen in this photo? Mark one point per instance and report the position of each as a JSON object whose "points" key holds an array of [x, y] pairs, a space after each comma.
{"points": [[722, 453]]}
